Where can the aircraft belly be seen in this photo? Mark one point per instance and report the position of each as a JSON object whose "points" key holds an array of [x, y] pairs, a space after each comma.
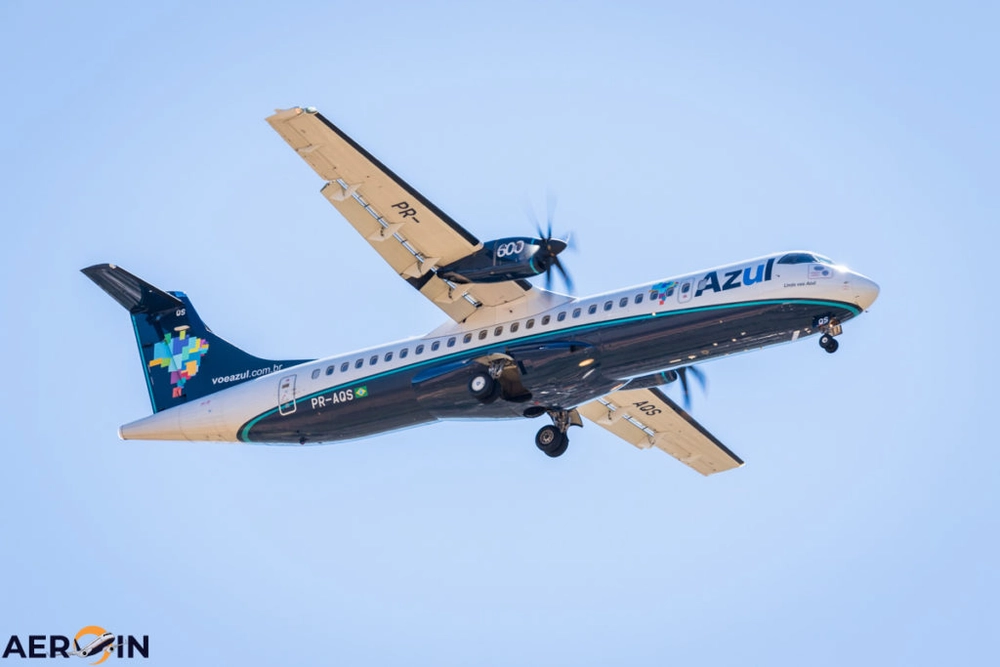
{"points": [[551, 372], [362, 408], [683, 338]]}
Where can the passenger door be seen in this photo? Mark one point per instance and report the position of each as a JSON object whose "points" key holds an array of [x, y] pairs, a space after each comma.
{"points": [[286, 395]]}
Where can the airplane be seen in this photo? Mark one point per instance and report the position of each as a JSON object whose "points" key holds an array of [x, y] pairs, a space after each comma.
{"points": [[509, 349], [103, 643]]}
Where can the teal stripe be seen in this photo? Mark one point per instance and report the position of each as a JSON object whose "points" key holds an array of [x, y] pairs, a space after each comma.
{"points": [[244, 432]]}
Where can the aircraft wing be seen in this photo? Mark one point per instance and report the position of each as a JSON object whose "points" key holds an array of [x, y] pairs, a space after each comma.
{"points": [[646, 417], [410, 233]]}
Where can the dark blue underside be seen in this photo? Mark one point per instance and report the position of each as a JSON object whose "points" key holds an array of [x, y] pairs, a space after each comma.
{"points": [[625, 348]]}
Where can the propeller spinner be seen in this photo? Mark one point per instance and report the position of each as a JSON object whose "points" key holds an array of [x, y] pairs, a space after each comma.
{"points": [[547, 257]]}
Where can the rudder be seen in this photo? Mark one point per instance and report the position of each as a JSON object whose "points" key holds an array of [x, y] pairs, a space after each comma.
{"points": [[182, 359]]}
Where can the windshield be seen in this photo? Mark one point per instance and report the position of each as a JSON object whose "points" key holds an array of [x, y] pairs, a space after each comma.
{"points": [[804, 258]]}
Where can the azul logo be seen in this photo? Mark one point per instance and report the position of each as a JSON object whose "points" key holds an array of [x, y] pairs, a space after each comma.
{"points": [[91, 641], [736, 278], [181, 355]]}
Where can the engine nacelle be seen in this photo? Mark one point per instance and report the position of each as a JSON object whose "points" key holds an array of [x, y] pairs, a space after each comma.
{"points": [[511, 258]]}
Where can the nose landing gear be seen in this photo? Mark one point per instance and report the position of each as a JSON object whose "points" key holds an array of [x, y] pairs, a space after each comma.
{"points": [[830, 328], [828, 343]]}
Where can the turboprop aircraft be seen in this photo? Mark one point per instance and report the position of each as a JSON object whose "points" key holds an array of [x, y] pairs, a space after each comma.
{"points": [[509, 349]]}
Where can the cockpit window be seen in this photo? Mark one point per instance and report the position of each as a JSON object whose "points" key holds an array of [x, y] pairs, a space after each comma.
{"points": [[797, 258]]}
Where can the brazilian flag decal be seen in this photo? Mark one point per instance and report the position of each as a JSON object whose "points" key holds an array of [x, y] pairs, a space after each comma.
{"points": [[361, 392]]}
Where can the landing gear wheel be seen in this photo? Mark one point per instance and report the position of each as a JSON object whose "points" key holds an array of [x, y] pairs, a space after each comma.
{"points": [[828, 343], [561, 449], [483, 387], [551, 441]]}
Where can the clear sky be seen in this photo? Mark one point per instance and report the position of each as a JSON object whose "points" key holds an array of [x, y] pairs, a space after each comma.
{"points": [[863, 529]]}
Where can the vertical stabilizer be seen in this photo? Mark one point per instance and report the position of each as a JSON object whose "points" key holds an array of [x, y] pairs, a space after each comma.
{"points": [[182, 360]]}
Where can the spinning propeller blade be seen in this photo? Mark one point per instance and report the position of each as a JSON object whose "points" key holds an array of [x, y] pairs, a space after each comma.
{"points": [[682, 375], [546, 258]]}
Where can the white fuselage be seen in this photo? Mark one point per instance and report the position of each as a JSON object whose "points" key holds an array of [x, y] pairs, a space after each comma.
{"points": [[219, 416]]}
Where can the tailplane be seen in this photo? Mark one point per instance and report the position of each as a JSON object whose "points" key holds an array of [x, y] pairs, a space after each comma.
{"points": [[182, 359]]}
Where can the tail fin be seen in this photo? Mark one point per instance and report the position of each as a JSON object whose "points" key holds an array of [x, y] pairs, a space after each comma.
{"points": [[181, 358]]}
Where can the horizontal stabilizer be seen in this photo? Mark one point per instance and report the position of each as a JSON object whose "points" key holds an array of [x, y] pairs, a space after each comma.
{"points": [[135, 294]]}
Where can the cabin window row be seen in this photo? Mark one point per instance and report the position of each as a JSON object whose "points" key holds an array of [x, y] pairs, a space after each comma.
{"points": [[483, 334]]}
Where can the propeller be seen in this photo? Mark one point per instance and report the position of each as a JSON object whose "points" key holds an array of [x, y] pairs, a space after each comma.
{"points": [[546, 258], [682, 375]]}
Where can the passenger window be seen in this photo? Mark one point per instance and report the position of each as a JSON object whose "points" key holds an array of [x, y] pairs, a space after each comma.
{"points": [[402, 353], [653, 294], [513, 327], [419, 349], [622, 302], [388, 356], [435, 346], [315, 374], [498, 331], [529, 324], [373, 360], [592, 309], [607, 305], [561, 316], [344, 366], [467, 338], [638, 298], [359, 363], [482, 335], [545, 320], [576, 313], [329, 370], [451, 342]]}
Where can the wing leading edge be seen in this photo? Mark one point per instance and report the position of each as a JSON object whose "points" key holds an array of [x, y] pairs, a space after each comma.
{"points": [[647, 418], [410, 233]]}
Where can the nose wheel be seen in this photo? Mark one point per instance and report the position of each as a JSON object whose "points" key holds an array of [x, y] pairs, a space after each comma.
{"points": [[830, 326], [828, 343]]}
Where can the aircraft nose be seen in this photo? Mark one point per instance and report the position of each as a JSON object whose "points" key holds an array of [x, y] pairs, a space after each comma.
{"points": [[865, 290]]}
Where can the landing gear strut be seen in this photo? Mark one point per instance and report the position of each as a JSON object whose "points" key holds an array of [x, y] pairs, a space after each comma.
{"points": [[552, 439]]}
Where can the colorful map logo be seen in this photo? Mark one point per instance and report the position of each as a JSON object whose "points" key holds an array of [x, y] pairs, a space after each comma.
{"points": [[181, 356], [663, 290]]}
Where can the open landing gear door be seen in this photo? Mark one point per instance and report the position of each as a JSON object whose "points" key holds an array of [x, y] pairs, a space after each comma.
{"points": [[646, 417]]}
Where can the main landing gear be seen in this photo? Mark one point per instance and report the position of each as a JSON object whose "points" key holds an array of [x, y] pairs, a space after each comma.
{"points": [[485, 385], [552, 439]]}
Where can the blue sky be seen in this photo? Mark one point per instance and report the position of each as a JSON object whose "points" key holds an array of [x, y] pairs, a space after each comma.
{"points": [[862, 529]]}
